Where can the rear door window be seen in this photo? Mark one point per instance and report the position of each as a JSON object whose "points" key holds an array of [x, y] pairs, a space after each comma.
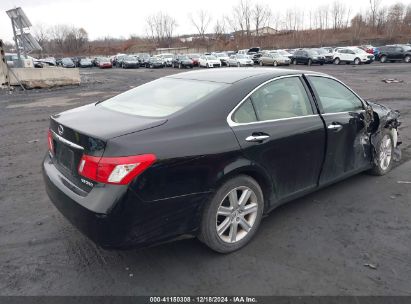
{"points": [[279, 99]]}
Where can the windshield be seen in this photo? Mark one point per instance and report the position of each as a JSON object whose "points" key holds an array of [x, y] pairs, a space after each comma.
{"points": [[103, 59], [130, 58], [313, 52], [161, 97], [221, 55], [67, 60], [211, 58], [183, 58], [241, 56], [281, 52], [168, 56]]}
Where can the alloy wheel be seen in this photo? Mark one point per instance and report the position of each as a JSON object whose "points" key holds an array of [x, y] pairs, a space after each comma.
{"points": [[385, 152], [236, 214]]}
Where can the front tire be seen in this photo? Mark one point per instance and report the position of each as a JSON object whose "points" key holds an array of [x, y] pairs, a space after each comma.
{"points": [[407, 59], [383, 59], [275, 63], [233, 216], [337, 61], [384, 154], [357, 61]]}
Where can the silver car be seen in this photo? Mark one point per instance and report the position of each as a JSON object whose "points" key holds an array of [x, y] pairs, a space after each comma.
{"points": [[274, 59]]}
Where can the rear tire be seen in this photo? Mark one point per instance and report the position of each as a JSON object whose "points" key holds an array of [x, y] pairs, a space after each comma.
{"points": [[295, 61], [384, 154], [275, 63], [228, 223], [310, 62], [261, 63]]}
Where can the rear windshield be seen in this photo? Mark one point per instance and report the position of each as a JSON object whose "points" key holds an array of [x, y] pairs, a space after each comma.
{"points": [[161, 97]]}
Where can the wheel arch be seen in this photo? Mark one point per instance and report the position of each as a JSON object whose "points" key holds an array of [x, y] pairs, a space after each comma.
{"points": [[255, 172]]}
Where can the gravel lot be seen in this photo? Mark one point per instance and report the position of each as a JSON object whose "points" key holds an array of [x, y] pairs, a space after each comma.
{"points": [[318, 245]]}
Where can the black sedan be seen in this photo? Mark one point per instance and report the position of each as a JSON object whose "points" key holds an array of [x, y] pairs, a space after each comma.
{"points": [[155, 62], [208, 153], [307, 56], [182, 61], [130, 62]]}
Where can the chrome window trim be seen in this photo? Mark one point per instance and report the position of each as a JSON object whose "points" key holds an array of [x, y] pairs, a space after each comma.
{"points": [[65, 141], [232, 123]]}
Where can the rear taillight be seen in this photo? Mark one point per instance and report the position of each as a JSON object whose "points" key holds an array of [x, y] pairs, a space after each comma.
{"points": [[114, 170], [50, 142]]}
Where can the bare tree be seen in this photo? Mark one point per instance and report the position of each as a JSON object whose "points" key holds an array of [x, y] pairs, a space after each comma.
{"points": [[42, 35], [160, 28], [374, 8], [241, 19], [261, 15], [357, 25], [338, 13], [201, 21]]}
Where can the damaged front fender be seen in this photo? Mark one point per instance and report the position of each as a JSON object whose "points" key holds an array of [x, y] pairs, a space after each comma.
{"points": [[384, 119]]}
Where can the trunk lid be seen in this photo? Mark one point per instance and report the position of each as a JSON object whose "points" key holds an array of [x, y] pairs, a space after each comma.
{"points": [[86, 130]]}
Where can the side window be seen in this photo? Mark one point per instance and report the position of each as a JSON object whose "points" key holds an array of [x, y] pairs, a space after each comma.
{"points": [[245, 113], [282, 98], [334, 96]]}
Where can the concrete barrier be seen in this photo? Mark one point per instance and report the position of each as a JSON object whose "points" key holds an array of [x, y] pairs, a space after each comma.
{"points": [[32, 78]]}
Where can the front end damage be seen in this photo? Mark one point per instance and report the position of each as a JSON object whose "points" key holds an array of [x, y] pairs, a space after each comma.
{"points": [[384, 118]]}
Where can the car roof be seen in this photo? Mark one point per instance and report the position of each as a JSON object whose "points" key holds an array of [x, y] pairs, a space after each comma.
{"points": [[232, 75]]}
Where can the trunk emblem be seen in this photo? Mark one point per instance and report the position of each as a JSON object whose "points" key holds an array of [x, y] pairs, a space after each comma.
{"points": [[60, 129]]}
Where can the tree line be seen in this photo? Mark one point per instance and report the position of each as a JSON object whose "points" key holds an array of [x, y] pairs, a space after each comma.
{"points": [[244, 26]]}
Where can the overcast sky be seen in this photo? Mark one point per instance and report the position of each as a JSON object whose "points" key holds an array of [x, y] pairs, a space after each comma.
{"points": [[101, 18]]}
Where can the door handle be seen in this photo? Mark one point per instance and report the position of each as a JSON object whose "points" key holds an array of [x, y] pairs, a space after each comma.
{"points": [[257, 138], [335, 127]]}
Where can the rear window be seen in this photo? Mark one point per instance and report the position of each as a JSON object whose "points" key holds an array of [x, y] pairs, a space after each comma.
{"points": [[161, 97]]}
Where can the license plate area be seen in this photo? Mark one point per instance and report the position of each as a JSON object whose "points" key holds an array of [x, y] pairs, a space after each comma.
{"points": [[65, 157]]}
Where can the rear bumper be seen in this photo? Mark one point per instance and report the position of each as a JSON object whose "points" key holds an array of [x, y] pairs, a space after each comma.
{"points": [[114, 217]]}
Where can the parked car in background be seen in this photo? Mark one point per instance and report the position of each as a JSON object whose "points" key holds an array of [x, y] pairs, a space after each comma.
{"points": [[352, 55], [395, 53], [155, 62], [329, 58], [10, 58], [209, 61], [143, 58], [116, 61], [239, 60], [367, 48], [104, 63], [223, 57], [67, 63], [130, 62], [307, 56], [282, 53], [206, 156], [274, 59], [256, 57], [86, 63], [195, 58], [182, 61], [167, 59]]}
